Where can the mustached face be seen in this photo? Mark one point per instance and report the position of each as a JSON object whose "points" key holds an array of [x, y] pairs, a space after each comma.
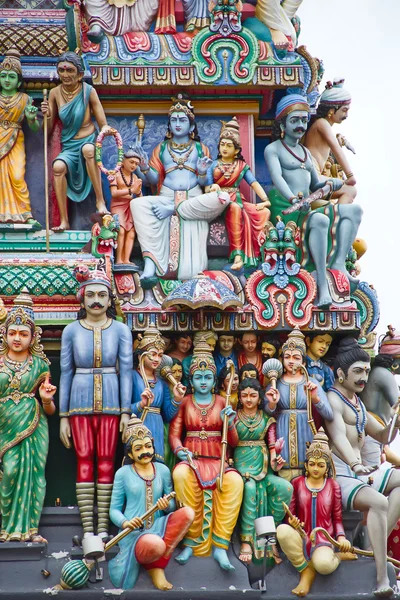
{"points": [[142, 451], [96, 300], [296, 124], [356, 378]]}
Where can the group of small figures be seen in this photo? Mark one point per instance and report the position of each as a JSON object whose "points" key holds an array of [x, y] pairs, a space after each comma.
{"points": [[189, 189], [238, 450]]}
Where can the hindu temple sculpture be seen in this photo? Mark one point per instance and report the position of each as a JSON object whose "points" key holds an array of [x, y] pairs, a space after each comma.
{"points": [[295, 402], [293, 172], [249, 371], [95, 399], [278, 17], [333, 108], [228, 383], [318, 344], [24, 433], [250, 352], [201, 479], [364, 487], [244, 220], [225, 351], [74, 169], [177, 168], [124, 187], [210, 338], [138, 485], [182, 344], [15, 106], [256, 457], [316, 502], [151, 397]]}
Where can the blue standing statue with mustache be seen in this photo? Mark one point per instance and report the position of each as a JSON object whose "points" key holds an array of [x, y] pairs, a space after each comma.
{"points": [[328, 230]]}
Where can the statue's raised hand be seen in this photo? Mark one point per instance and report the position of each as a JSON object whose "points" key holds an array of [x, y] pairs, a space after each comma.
{"points": [[230, 413], [30, 110], [202, 165], [144, 161]]}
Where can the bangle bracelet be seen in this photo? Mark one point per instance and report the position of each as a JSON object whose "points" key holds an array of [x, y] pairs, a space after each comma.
{"points": [[354, 464], [349, 174], [47, 402]]}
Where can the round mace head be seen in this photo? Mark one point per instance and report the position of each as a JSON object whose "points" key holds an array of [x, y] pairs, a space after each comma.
{"points": [[272, 368], [166, 361], [74, 574]]}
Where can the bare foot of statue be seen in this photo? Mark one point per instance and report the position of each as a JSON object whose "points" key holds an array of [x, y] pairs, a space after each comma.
{"points": [[324, 299], [63, 226], [237, 263], [162, 212], [159, 580], [36, 538], [307, 578], [279, 39], [101, 207], [221, 556], [383, 589], [246, 553], [184, 556], [347, 556]]}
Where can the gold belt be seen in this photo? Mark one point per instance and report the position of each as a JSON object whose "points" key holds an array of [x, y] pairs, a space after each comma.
{"points": [[252, 443], [203, 435], [6, 124], [230, 190], [17, 396]]}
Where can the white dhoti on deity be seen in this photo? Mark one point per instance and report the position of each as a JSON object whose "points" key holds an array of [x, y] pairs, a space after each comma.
{"points": [[277, 15], [195, 212], [117, 17]]}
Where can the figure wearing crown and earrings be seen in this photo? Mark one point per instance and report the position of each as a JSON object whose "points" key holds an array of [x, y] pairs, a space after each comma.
{"points": [[152, 400], [95, 393], [24, 434], [15, 106], [244, 220], [139, 485], [177, 168], [196, 438], [295, 403], [316, 502]]}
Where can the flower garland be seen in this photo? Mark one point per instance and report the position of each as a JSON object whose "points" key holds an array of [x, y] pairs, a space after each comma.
{"points": [[111, 173]]}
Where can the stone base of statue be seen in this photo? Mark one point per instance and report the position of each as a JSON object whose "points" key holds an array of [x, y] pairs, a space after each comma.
{"points": [[11, 227]]}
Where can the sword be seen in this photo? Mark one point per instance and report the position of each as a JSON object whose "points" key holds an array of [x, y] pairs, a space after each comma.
{"points": [[319, 194]]}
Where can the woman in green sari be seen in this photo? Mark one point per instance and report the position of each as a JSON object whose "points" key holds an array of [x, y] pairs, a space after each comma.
{"points": [[256, 454], [24, 436]]}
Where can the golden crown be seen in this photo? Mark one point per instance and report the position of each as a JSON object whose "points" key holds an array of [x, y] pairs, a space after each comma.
{"points": [[295, 341], [136, 430], [12, 61], [319, 447], [151, 338], [181, 104], [202, 359]]}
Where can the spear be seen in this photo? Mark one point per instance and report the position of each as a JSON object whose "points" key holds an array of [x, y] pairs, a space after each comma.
{"points": [[46, 178]]}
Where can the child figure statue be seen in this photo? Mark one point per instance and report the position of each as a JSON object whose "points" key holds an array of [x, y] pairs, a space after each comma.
{"points": [[137, 487], [124, 188], [254, 457], [316, 502]]}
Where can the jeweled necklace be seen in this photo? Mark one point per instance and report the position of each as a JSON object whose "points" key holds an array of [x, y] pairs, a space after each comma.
{"points": [[302, 160], [357, 409], [182, 146], [148, 482], [226, 168], [15, 370], [204, 409], [180, 160], [250, 421], [128, 185], [68, 96], [8, 102]]}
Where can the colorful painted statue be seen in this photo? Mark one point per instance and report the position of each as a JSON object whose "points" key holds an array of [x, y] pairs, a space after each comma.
{"points": [[316, 502], [244, 220], [182, 345], [151, 398], [118, 18], [95, 400], [290, 402], [138, 485], [333, 108], [347, 431], [210, 338], [278, 17], [270, 347], [292, 172], [279, 246], [254, 457], [176, 167], [225, 352], [318, 345], [250, 353], [24, 434], [75, 169], [15, 206], [196, 13], [169, 456], [248, 371], [223, 382], [195, 436], [104, 237], [124, 188]]}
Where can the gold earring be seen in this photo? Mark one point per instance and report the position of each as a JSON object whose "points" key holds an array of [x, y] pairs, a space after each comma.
{"points": [[282, 134], [192, 135], [168, 135], [341, 379], [306, 471]]}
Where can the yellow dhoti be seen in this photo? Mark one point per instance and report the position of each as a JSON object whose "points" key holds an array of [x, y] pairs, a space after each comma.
{"points": [[323, 559], [216, 512]]}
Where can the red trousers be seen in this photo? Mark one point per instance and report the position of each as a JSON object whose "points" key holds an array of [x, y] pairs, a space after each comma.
{"points": [[95, 436], [153, 551]]}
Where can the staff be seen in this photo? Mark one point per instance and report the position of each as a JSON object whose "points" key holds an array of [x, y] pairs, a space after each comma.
{"points": [[146, 382], [224, 440], [46, 178], [310, 419]]}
